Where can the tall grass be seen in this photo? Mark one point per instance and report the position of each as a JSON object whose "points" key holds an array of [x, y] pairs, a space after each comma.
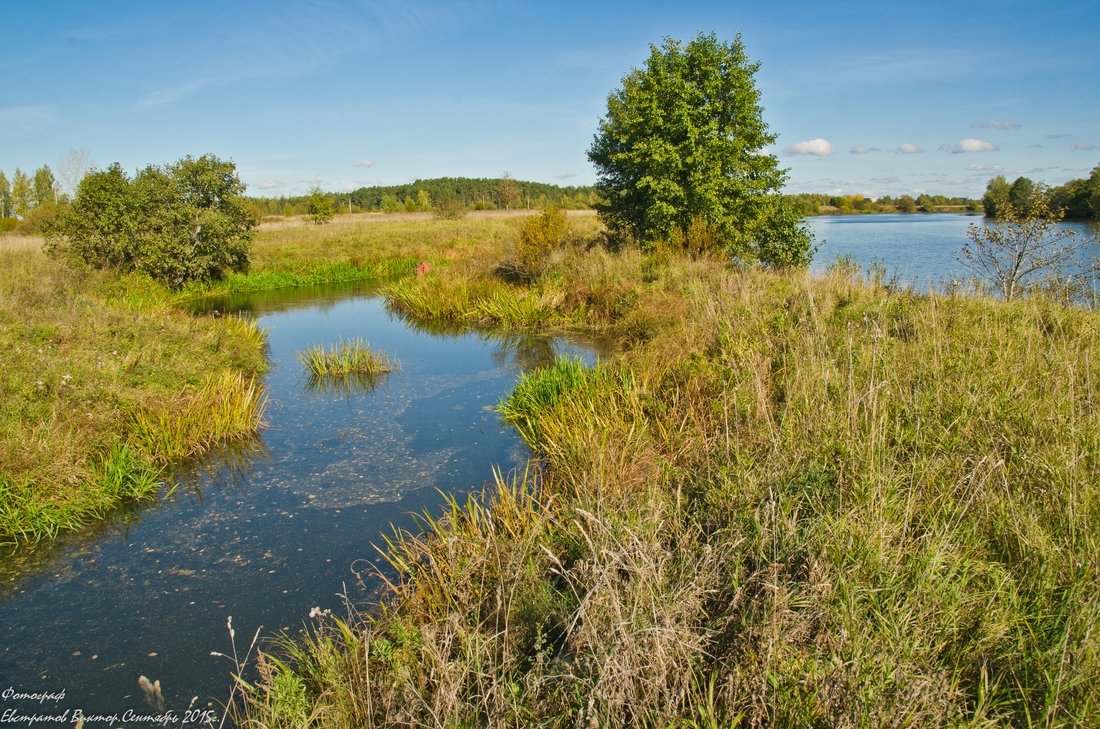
{"points": [[792, 501], [222, 408]]}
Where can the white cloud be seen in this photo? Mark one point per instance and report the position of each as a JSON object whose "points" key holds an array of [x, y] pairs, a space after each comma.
{"points": [[1083, 147], [270, 185], [363, 163], [985, 168], [909, 149], [860, 149], [972, 145], [1056, 136], [818, 147], [996, 124]]}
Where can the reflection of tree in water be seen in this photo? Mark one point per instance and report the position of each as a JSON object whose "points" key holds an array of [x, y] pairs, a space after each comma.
{"points": [[256, 303]]}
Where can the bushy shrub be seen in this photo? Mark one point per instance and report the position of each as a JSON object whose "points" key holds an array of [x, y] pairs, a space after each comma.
{"points": [[184, 222], [321, 209], [449, 207], [540, 235]]}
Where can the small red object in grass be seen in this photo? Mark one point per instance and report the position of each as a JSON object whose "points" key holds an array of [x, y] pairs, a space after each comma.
{"points": [[422, 268]]}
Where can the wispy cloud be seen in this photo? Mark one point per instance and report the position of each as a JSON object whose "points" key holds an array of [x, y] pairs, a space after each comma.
{"points": [[985, 168], [972, 145], [996, 124], [103, 32], [925, 65], [270, 185], [565, 176], [17, 120], [816, 147], [1056, 136], [1082, 147], [909, 149], [171, 94], [363, 163], [860, 149]]}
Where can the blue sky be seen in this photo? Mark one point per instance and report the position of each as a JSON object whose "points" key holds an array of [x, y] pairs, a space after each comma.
{"points": [[868, 98]]}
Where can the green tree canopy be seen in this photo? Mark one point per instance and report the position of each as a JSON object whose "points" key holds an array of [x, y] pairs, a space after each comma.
{"points": [[45, 186], [183, 222], [684, 140], [996, 195], [22, 194], [1026, 250]]}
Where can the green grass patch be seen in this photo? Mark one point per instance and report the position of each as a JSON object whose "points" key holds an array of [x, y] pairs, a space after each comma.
{"points": [[351, 358]]}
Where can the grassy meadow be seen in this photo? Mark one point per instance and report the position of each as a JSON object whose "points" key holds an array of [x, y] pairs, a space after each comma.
{"points": [[105, 381], [788, 501]]}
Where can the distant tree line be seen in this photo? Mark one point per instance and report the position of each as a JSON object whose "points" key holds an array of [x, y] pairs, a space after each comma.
{"points": [[503, 193], [810, 203], [24, 199], [29, 199], [1078, 199]]}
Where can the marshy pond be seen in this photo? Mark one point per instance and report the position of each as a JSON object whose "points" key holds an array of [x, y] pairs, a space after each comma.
{"points": [[270, 529]]}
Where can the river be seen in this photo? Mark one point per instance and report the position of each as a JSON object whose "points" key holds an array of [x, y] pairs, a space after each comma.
{"points": [[272, 528], [268, 530]]}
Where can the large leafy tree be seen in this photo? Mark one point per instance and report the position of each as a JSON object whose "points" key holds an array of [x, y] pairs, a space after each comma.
{"points": [[683, 148], [184, 222]]}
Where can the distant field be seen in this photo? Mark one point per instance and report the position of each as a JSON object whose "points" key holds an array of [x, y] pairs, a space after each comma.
{"points": [[272, 222]]}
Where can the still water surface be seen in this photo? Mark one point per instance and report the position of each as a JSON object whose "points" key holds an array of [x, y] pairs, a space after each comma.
{"points": [[274, 528], [921, 250]]}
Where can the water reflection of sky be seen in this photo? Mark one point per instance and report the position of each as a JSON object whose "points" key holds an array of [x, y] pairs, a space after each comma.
{"points": [[916, 249], [270, 528]]}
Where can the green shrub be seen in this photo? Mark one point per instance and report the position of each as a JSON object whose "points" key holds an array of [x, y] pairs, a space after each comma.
{"points": [[185, 222], [540, 235], [321, 209]]}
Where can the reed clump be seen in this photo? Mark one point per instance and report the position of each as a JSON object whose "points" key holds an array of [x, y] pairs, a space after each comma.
{"points": [[347, 358], [221, 409]]}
